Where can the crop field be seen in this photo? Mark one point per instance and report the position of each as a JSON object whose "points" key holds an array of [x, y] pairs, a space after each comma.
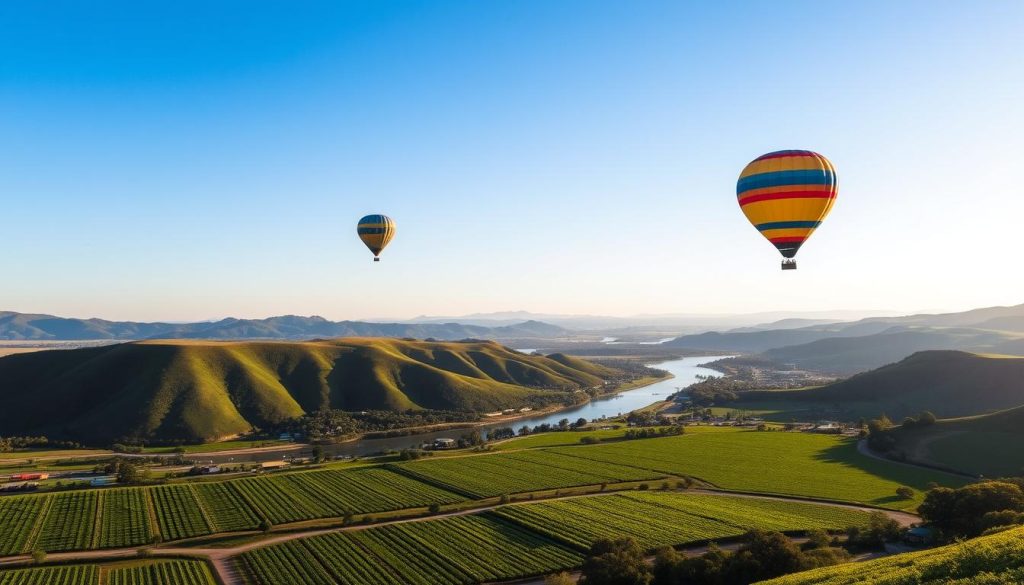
{"points": [[227, 509], [320, 494], [521, 471], [178, 512], [460, 550], [69, 522], [800, 464], [659, 519], [70, 575], [996, 559], [18, 516], [176, 572], [124, 518]]}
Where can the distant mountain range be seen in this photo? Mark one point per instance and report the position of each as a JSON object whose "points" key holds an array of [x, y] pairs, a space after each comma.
{"points": [[29, 327], [851, 347], [679, 322], [206, 390]]}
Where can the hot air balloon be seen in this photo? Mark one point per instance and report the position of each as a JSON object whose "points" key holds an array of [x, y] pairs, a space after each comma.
{"points": [[786, 194], [376, 231]]}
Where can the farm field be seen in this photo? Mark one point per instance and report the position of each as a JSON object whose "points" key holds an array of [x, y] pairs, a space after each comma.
{"points": [[124, 518], [521, 471], [996, 559], [656, 519], [18, 517], [177, 512], [226, 508], [795, 464], [460, 550], [155, 572], [69, 522]]}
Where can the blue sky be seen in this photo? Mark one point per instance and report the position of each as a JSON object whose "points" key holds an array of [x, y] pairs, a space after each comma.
{"points": [[192, 160]]}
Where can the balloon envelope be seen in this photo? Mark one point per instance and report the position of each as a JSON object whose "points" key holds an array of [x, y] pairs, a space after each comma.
{"points": [[786, 194], [376, 231]]}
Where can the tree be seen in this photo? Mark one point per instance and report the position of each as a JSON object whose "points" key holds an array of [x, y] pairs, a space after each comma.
{"points": [[563, 424], [129, 473], [580, 422], [318, 453], [909, 423], [616, 562], [905, 493], [266, 525], [434, 508], [961, 512], [926, 419], [38, 556], [879, 530], [524, 430]]}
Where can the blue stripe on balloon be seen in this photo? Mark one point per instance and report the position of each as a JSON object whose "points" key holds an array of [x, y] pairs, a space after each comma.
{"points": [[782, 225], [784, 178]]}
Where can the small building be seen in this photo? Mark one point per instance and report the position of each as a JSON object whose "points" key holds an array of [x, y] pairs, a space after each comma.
{"points": [[492, 414], [29, 477], [525, 409], [207, 469], [102, 481], [828, 428], [273, 464], [445, 443], [919, 536]]}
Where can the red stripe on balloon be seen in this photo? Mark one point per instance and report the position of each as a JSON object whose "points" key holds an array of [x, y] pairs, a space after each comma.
{"points": [[788, 195], [788, 240]]}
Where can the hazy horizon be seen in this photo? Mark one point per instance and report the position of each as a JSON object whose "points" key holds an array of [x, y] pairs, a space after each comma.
{"points": [[177, 162]]}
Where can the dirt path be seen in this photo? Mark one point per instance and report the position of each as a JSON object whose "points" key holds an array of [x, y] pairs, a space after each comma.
{"points": [[863, 449], [221, 558]]}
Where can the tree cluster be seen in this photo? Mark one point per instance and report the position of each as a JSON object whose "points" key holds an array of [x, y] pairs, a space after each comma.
{"points": [[763, 555], [973, 509]]}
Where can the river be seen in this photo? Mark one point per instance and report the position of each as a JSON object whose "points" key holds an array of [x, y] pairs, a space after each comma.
{"points": [[684, 371]]}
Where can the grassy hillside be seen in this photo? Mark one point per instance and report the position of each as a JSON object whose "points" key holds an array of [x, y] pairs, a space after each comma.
{"points": [[991, 445], [948, 383], [994, 559], [208, 390]]}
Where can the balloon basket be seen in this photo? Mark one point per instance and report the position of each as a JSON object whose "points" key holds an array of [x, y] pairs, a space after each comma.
{"points": [[375, 259], [789, 264]]}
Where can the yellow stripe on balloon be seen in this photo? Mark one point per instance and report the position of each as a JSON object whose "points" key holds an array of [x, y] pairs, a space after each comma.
{"points": [[787, 163], [787, 210]]}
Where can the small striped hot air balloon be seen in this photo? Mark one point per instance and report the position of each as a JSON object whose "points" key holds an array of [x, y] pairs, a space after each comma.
{"points": [[786, 194], [376, 231]]}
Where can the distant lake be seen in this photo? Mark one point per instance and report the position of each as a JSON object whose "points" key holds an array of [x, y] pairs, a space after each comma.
{"points": [[685, 372]]}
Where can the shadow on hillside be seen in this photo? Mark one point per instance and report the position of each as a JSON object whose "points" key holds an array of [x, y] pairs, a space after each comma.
{"points": [[845, 453]]}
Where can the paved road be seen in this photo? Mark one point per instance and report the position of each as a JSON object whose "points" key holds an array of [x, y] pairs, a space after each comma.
{"points": [[221, 557]]}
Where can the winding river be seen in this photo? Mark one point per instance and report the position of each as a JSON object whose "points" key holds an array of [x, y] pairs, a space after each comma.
{"points": [[684, 371]]}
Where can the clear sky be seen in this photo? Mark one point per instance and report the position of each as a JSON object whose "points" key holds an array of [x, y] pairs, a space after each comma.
{"points": [[195, 159]]}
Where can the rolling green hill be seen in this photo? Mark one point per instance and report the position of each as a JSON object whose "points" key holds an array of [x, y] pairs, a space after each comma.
{"points": [[991, 445], [996, 559], [948, 383], [160, 390]]}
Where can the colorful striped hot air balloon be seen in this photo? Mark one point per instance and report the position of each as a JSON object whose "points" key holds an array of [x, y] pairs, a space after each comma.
{"points": [[376, 231], [786, 195]]}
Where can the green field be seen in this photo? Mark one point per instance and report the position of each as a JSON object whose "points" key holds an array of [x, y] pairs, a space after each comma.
{"points": [[178, 513], [796, 464], [124, 518], [460, 550], [518, 472], [558, 439], [656, 519], [990, 560], [69, 522], [69, 575], [18, 517], [155, 572]]}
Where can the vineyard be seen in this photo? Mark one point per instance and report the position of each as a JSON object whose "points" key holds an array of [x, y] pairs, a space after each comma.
{"points": [[170, 572], [996, 559], [18, 516], [521, 471], [177, 572], [70, 575], [69, 522], [121, 517], [800, 464], [659, 519], [124, 518], [460, 550]]}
